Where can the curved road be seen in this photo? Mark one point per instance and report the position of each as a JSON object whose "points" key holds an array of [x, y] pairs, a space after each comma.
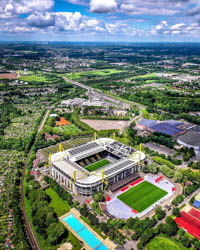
{"points": [[31, 237]]}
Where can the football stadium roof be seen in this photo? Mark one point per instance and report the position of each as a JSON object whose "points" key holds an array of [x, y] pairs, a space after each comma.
{"points": [[191, 138], [147, 123], [165, 128]]}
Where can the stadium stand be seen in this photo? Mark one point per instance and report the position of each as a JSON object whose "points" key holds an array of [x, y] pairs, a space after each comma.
{"points": [[82, 148]]}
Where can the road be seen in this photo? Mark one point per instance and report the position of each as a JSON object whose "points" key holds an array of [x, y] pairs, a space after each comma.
{"points": [[103, 95], [129, 123], [31, 237]]}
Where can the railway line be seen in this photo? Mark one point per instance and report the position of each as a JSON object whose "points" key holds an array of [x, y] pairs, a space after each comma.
{"points": [[29, 231]]}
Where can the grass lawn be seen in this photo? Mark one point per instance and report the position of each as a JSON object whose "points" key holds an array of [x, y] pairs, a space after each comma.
{"points": [[161, 243], [97, 165], [71, 129], [142, 196], [60, 207], [105, 72]]}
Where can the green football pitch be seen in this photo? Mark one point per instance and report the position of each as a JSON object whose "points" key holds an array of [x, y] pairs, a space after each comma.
{"points": [[97, 165], [142, 196]]}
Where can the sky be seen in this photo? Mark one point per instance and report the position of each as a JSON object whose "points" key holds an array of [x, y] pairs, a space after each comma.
{"points": [[100, 20]]}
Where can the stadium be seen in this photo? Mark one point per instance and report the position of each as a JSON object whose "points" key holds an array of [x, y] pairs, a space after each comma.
{"points": [[95, 166]]}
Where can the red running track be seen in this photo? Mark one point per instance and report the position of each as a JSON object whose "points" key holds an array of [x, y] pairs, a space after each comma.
{"points": [[123, 189], [134, 211], [158, 179], [108, 198], [195, 213], [189, 222], [136, 182]]}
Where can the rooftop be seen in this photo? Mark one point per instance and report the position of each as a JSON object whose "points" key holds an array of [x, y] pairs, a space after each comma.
{"points": [[191, 138]]}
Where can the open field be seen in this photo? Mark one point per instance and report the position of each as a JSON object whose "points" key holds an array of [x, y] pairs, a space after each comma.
{"points": [[70, 129], [97, 165], [60, 206], [161, 243], [152, 75], [66, 145], [9, 76], [105, 124], [78, 75], [142, 196]]}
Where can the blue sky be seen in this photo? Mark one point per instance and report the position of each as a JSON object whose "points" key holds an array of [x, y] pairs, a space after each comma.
{"points": [[100, 20]]}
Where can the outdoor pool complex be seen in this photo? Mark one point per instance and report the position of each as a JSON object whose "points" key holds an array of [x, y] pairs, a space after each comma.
{"points": [[84, 233]]}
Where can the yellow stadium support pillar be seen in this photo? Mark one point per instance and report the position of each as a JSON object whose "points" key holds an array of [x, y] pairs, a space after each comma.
{"points": [[74, 177], [60, 148], [50, 160]]}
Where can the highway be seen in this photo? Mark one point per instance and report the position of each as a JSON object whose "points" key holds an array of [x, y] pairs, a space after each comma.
{"points": [[100, 94]]}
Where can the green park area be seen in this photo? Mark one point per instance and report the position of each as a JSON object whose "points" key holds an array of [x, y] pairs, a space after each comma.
{"points": [[162, 243], [142, 196], [151, 75], [97, 165], [59, 205], [78, 75], [68, 129]]}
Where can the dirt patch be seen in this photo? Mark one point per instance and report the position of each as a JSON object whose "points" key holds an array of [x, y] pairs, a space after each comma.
{"points": [[9, 75], [105, 124]]}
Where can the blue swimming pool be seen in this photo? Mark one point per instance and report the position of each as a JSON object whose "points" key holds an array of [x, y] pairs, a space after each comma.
{"points": [[84, 233]]}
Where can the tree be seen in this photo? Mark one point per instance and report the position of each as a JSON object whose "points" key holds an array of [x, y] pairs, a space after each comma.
{"points": [[176, 212], [104, 227], [56, 232], [186, 241], [153, 168], [84, 210], [160, 213], [178, 176], [147, 235]]}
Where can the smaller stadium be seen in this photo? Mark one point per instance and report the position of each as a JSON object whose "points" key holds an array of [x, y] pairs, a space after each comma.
{"points": [[139, 197]]}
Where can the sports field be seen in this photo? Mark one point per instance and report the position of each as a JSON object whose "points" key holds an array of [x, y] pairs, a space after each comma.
{"points": [[162, 243], [97, 165], [142, 196]]}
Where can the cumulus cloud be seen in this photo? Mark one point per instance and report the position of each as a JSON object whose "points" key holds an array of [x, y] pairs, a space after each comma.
{"points": [[103, 6], [153, 7], [41, 20], [177, 29], [13, 8]]}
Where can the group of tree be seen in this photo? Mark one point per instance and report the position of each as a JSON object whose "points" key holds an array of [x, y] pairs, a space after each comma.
{"points": [[110, 228], [44, 218], [169, 228], [59, 190]]}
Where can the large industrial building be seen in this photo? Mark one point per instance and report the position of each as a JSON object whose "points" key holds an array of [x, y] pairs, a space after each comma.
{"points": [[169, 127], [95, 166]]}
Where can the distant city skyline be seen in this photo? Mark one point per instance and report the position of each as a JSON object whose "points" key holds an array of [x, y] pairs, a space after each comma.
{"points": [[100, 20]]}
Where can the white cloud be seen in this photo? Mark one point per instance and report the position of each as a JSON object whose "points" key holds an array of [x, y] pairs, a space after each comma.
{"points": [[103, 6], [41, 20], [13, 8], [152, 7], [177, 29]]}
